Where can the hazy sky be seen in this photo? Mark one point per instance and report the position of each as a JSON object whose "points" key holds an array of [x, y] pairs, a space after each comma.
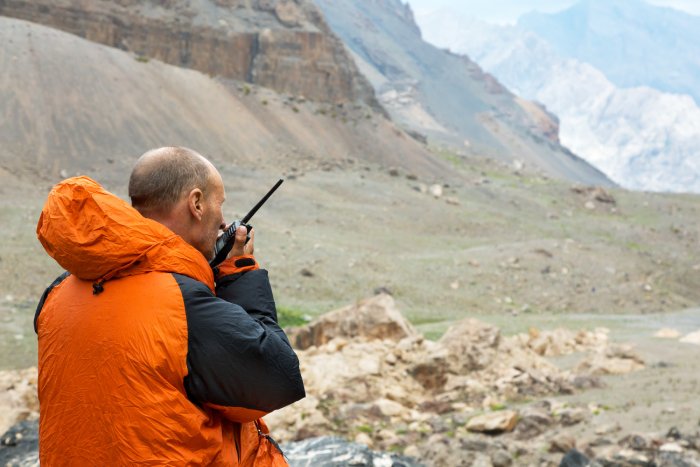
{"points": [[507, 11]]}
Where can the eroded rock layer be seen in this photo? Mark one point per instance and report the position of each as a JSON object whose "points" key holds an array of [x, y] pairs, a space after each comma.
{"points": [[281, 44]]}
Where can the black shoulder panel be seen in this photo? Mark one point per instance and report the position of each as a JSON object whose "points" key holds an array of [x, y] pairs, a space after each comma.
{"points": [[234, 358], [45, 295], [251, 291]]}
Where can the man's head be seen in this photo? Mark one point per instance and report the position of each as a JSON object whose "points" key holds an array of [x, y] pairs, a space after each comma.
{"points": [[183, 191]]}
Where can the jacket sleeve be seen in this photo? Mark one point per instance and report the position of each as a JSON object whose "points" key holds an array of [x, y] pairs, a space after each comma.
{"points": [[239, 361]]}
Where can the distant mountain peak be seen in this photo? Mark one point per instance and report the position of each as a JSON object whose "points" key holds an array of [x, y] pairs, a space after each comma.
{"points": [[632, 42], [640, 137]]}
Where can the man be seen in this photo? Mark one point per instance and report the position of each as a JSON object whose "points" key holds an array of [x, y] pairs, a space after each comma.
{"points": [[145, 356]]}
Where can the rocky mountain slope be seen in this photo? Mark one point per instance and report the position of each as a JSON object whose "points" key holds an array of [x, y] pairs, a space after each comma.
{"points": [[284, 45], [445, 96], [632, 42], [73, 105], [640, 137]]}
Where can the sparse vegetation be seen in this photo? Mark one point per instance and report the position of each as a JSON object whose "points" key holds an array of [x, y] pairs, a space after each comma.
{"points": [[288, 317]]}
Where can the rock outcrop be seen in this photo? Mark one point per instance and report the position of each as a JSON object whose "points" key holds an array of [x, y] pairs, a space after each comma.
{"points": [[281, 44], [365, 365], [375, 318]]}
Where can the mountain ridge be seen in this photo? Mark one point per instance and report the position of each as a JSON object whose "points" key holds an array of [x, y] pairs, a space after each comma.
{"points": [[632, 42], [642, 138], [447, 96]]}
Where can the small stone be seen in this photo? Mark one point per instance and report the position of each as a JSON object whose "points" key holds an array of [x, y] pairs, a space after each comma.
{"points": [[532, 423], [389, 408], [590, 205], [562, 443], [636, 442], [412, 451], [671, 447], [632, 457], [363, 438], [454, 285], [573, 416], [494, 422], [452, 200], [574, 458], [435, 190], [501, 458], [608, 429]]}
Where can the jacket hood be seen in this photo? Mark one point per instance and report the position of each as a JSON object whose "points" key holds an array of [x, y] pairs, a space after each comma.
{"points": [[97, 236]]}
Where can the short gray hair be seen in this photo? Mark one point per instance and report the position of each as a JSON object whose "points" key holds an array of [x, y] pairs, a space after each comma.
{"points": [[161, 176]]}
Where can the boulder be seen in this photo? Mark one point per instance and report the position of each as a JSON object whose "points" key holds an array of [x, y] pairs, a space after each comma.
{"points": [[373, 318], [494, 422], [574, 458], [532, 423], [18, 397], [613, 360], [19, 446]]}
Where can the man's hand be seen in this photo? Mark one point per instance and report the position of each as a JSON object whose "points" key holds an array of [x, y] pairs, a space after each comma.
{"points": [[240, 247]]}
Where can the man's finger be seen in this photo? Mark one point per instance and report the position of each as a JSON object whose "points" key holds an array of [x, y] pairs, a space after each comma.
{"points": [[239, 241], [248, 250]]}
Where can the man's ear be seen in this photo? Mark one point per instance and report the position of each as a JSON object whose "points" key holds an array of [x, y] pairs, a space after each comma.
{"points": [[195, 203]]}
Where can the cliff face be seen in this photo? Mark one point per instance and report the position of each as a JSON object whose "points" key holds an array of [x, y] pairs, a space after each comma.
{"points": [[281, 44]]}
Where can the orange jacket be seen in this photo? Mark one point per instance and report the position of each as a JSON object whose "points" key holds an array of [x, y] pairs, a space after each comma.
{"points": [[143, 358]]}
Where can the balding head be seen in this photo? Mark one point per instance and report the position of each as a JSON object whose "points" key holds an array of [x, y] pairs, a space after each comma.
{"points": [[183, 191], [162, 176]]}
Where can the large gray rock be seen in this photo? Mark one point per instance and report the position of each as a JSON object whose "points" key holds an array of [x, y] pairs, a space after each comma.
{"points": [[19, 446], [330, 451]]}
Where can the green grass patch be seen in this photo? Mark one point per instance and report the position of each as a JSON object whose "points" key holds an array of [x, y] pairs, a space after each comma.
{"points": [[288, 317], [634, 246], [496, 406], [364, 429]]}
